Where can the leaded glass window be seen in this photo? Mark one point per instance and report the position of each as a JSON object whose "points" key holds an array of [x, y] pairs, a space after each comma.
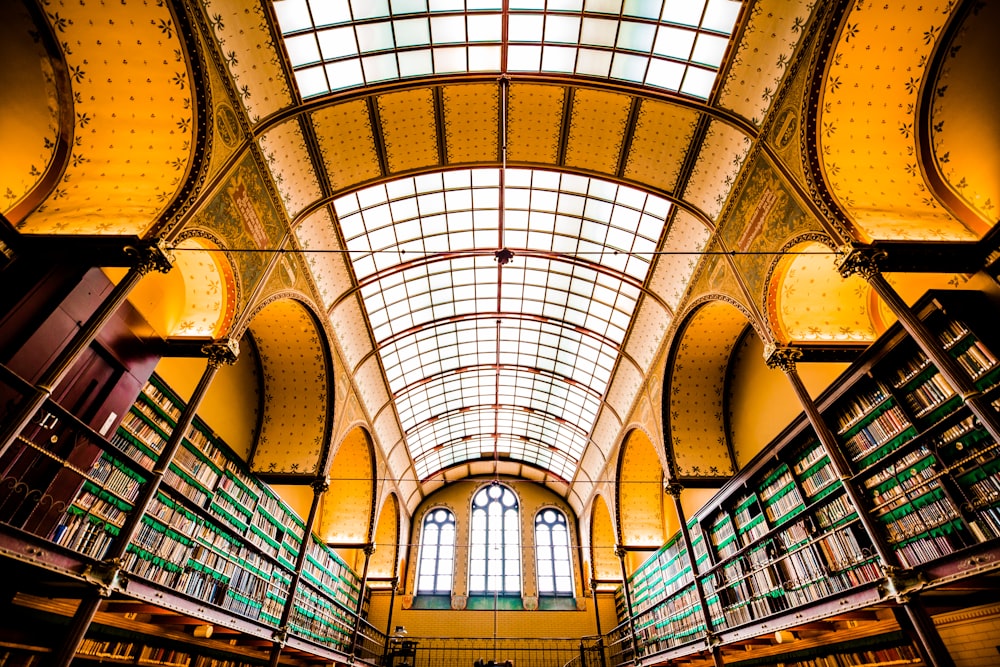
{"points": [[495, 544], [552, 557], [437, 553]]}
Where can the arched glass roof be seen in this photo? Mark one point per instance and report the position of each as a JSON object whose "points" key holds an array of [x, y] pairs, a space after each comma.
{"points": [[486, 359], [674, 45]]}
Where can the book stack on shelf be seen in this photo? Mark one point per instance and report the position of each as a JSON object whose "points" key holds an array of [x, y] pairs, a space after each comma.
{"points": [[328, 578], [105, 650], [784, 533], [92, 520], [163, 657], [212, 532]]}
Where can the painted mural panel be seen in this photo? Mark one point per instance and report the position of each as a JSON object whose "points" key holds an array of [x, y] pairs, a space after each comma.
{"points": [[765, 216], [243, 214]]}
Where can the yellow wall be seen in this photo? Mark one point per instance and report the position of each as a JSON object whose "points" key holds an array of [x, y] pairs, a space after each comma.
{"points": [[972, 635], [475, 623], [761, 400]]}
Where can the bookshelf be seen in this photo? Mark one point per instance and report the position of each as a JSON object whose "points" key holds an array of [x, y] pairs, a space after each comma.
{"points": [[212, 533], [783, 540]]}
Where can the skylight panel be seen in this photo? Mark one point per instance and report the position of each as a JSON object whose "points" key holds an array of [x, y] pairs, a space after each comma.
{"points": [[554, 325], [653, 44]]}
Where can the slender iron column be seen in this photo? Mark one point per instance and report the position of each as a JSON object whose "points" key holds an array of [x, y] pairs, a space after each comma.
{"points": [[388, 621], [673, 489], [597, 620], [620, 551], [896, 583], [105, 575], [369, 549], [148, 258], [864, 261], [320, 486]]}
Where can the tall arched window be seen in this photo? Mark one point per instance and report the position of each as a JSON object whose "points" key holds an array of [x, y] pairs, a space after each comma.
{"points": [[552, 557], [437, 553], [495, 544]]}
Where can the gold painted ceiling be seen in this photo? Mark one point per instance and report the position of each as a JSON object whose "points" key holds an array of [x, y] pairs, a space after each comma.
{"points": [[402, 145]]}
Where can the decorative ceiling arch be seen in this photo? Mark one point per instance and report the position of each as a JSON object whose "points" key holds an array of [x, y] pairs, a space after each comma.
{"points": [[964, 142], [37, 127], [118, 178], [196, 299], [603, 542], [294, 357], [641, 516], [347, 511], [491, 356], [694, 389], [809, 302], [867, 125], [387, 540]]}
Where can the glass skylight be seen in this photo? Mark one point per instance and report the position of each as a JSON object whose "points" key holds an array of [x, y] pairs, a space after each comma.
{"points": [[486, 360], [675, 45]]}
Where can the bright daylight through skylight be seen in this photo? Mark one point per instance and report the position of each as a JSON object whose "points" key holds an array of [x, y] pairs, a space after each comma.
{"points": [[673, 45], [485, 360]]}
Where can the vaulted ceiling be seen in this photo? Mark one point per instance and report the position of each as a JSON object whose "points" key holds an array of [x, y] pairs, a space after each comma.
{"points": [[501, 204]]}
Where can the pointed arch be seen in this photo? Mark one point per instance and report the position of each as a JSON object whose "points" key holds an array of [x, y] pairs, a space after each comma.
{"points": [[694, 425], [603, 541], [386, 540], [641, 516]]}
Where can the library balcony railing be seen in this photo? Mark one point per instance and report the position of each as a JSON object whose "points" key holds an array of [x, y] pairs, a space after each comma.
{"points": [[619, 647], [592, 653], [467, 652], [211, 539]]}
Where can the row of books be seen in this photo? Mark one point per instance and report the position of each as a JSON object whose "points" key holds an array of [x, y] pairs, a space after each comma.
{"points": [[901, 655], [197, 467], [819, 480], [909, 369], [905, 482], [83, 533], [160, 398], [112, 477], [876, 433], [859, 406], [977, 360], [928, 395], [928, 547], [910, 521]]}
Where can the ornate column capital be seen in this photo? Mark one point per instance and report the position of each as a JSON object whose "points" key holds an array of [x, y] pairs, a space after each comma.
{"points": [[673, 489], [369, 549], [781, 358], [863, 260], [151, 256], [220, 352], [321, 485], [620, 551]]}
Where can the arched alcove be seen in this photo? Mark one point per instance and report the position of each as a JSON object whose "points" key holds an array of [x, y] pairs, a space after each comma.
{"points": [[346, 513], [693, 410], [297, 392], [809, 302], [641, 516], [196, 299], [868, 125], [603, 542]]}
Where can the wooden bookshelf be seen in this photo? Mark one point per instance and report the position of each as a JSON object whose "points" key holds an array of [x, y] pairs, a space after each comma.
{"points": [[212, 534], [783, 539]]}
